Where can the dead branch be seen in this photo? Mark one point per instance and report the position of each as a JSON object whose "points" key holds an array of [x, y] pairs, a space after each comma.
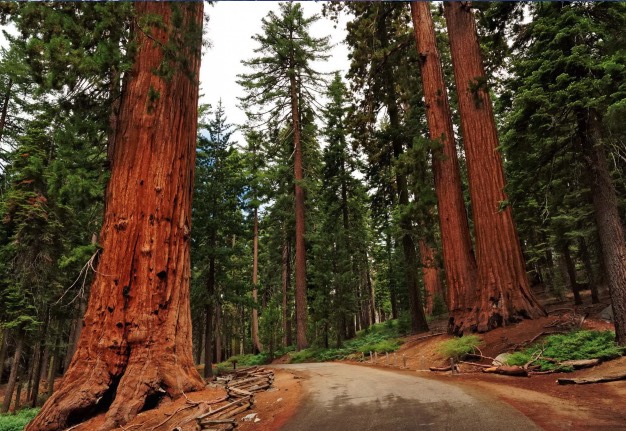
{"points": [[586, 381]]}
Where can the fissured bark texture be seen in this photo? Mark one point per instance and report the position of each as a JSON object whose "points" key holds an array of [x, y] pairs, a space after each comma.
{"points": [[458, 257], [136, 339], [504, 294]]}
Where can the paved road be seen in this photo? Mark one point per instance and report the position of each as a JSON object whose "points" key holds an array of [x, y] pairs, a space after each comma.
{"points": [[353, 398]]}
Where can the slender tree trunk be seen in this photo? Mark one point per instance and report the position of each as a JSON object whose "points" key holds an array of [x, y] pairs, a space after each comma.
{"points": [[52, 368], [370, 289], [610, 228], [504, 292], [18, 393], [458, 257], [10, 387], [286, 264], [208, 314], [38, 364], [77, 326], [570, 272], [586, 258], [136, 339], [301, 295], [218, 331], [256, 342], [5, 108], [3, 351]]}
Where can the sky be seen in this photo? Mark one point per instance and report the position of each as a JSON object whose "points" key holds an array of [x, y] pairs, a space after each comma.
{"points": [[230, 29]]}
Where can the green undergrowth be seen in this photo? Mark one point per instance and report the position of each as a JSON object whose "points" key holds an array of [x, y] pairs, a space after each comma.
{"points": [[458, 348], [249, 360], [380, 338], [571, 346], [17, 421]]}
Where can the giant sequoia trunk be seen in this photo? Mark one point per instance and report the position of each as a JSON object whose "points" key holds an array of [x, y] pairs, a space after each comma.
{"points": [[504, 294], [301, 298], [610, 229], [136, 339], [431, 275], [256, 342], [458, 258]]}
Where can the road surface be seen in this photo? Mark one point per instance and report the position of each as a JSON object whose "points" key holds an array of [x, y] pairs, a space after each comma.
{"points": [[353, 398]]}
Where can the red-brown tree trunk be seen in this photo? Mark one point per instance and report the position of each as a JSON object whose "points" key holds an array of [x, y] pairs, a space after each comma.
{"points": [[286, 264], [432, 276], [136, 339], [458, 258], [610, 228], [504, 294], [3, 350], [10, 387], [301, 297], [255, 282]]}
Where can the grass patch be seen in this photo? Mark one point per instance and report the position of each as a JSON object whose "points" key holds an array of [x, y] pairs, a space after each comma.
{"points": [[457, 348], [571, 346], [17, 421], [380, 338]]}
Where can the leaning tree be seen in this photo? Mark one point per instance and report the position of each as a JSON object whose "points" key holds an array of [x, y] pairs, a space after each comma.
{"points": [[136, 340]]}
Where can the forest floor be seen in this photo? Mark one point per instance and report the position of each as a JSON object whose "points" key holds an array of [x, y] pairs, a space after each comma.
{"points": [[552, 406]]}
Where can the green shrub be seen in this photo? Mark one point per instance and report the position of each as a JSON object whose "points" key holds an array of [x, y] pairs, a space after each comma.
{"points": [[571, 346], [17, 421], [457, 348]]}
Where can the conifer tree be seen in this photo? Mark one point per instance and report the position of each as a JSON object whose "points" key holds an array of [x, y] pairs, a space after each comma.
{"points": [[283, 81]]}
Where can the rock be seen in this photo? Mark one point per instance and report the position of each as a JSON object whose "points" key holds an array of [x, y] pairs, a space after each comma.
{"points": [[250, 417], [257, 420], [279, 400], [607, 314], [501, 359]]}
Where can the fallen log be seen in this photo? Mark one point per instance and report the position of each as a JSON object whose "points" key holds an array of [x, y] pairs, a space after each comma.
{"points": [[590, 380], [448, 368], [507, 371], [580, 363]]}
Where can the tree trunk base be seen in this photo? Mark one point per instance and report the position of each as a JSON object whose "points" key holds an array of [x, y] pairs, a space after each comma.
{"points": [[477, 320], [89, 389]]}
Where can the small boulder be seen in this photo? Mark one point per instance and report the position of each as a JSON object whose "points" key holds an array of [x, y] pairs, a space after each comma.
{"points": [[501, 359]]}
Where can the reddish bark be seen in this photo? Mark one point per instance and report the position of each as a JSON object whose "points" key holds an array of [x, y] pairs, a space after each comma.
{"points": [[458, 258], [3, 350], [285, 289], [301, 299], [255, 282], [432, 276], [504, 293], [136, 339]]}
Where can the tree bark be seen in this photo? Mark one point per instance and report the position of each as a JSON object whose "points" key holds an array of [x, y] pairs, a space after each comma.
{"points": [[256, 342], [504, 294], [593, 286], [432, 276], [287, 341], [570, 272], [136, 339], [458, 257], [5, 108], [610, 229], [208, 314], [10, 387], [3, 351], [301, 295]]}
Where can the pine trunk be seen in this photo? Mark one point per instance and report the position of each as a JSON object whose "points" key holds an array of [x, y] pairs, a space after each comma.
{"points": [[593, 286], [136, 339], [256, 342], [610, 229], [458, 258], [3, 351], [570, 272], [504, 294], [10, 387], [301, 296], [285, 291], [5, 108], [218, 331], [208, 315]]}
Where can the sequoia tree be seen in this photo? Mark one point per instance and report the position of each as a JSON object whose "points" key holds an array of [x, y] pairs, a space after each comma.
{"points": [[458, 257], [136, 341], [504, 293]]}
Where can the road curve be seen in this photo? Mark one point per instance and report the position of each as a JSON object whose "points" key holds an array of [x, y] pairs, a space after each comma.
{"points": [[344, 397]]}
